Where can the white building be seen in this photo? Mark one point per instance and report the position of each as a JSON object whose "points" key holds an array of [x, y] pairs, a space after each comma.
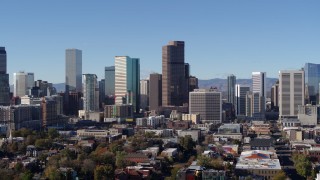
{"points": [[20, 84], [169, 152], [291, 92], [155, 121], [207, 103], [259, 83], [308, 115]]}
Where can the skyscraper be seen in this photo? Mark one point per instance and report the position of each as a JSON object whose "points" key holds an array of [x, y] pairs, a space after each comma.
{"points": [[312, 82], [73, 70], [291, 92], [259, 83], [241, 92], [275, 95], [144, 93], [174, 80], [4, 79], [127, 79], [20, 84], [255, 105], [102, 92], [232, 89], [90, 93], [207, 103], [109, 80], [30, 80], [155, 94]]}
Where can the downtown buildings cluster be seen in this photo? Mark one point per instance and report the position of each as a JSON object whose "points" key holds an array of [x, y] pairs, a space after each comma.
{"points": [[236, 127]]}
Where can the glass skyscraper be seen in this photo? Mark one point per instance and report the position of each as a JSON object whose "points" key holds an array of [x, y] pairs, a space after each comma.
{"points": [[90, 93], [109, 80], [312, 80], [4, 79], [73, 70], [127, 81]]}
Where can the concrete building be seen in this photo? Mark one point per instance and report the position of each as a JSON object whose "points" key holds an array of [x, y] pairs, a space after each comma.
{"points": [[73, 70], [193, 83], [241, 92], [231, 89], [255, 105], [291, 92], [259, 83], [275, 94], [97, 133], [118, 111], [258, 163], [109, 80], [194, 133], [155, 93], [308, 115], [174, 80], [170, 152], [194, 118], [144, 93], [20, 84], [207, 103], [127, 78], [90, 92]]}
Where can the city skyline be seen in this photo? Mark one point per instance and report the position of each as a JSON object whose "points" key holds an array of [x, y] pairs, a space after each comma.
{"points": [[278, 32]]}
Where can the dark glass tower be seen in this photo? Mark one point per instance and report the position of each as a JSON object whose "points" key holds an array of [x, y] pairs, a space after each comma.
{"points": [[232, 89], [312, 80], [174, 81], [4, 79]]}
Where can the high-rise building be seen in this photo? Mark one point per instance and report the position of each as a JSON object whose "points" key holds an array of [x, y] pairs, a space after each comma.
{"points": [[155, 93], [102, 92], [90, 92], [241, 92], [109, 80], [20, 84], [259, 83], [174, 80], [275, 95], [232, 89], [207, 103], [127, 79], [30, 80], [4, 79], [193, 83], [144, 93], [312, 82], [291, 92], [73, 70], [255, 105]]}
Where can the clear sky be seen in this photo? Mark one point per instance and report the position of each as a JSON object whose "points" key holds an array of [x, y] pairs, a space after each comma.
{"points": [[221, 37]]}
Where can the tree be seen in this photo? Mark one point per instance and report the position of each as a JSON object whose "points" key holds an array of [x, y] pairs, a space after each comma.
{"points": [[53, 133], [205, 161], [88, 168], [302, 164], [103, 172], [281, 175], [174, 173], [187, 143], [120, 163], [26, 175]]}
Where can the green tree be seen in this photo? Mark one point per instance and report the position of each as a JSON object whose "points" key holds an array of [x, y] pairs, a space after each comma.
{"points": [[174, 173], [88, 168], [120, 162], [302, 164], [187, 143], [53, 133], [103, 172], [26, 175], [281, 175], [204, 161]]}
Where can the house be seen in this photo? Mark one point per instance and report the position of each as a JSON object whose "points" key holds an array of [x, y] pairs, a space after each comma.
{"points": [[169, 152]]}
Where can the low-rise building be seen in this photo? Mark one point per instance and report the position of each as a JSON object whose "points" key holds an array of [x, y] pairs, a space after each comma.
{"points": [[257, 163], [194, 133], [97, 133], [169, 152]]}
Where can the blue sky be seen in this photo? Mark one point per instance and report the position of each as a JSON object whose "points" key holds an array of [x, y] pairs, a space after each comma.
{"points": [[221, 37]]}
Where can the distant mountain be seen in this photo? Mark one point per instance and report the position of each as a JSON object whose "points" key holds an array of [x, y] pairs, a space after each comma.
{"points": [[221, 84]]}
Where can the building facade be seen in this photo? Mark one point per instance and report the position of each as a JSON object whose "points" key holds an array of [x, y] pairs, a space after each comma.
{"points": [[144, 93], [155, 93], [241, 92], [291, 92], [127, 78], [312, 80], [4, 79], [231, 89], [73, 70], [174, 80], [90, 93], [109, 80], [207, 103], [20, 84]]}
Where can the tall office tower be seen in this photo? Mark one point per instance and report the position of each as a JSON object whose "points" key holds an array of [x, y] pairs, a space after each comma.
{"points": [[241, 92], [291, 92], [259, 83], [144, 93], [127, 78], [275, 95], [73, 70], [109, 80], [232, 89], [102, 92], [174, 81], [207, 103], [312, 82], [255, 105], [90, 92], [4, 79], [20, 84], [155, 93], [30, 80]]}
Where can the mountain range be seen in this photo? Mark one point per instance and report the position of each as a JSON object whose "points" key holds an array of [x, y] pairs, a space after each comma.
{"points": [[220, 84]]}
